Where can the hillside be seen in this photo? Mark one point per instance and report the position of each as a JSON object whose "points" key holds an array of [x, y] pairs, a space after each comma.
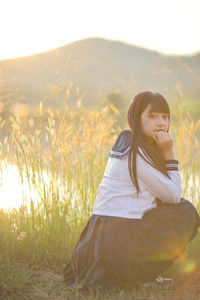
{"points": [[89, 69]]}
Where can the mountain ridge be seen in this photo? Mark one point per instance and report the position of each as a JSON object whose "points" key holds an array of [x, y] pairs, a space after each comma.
{"points": [[89, 69]]}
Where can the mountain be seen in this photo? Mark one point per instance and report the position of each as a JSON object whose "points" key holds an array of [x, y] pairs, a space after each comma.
{"points": [[89, 69]]}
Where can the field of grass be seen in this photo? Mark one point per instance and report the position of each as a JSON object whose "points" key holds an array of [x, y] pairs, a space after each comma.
{"points": [[60, 158]]}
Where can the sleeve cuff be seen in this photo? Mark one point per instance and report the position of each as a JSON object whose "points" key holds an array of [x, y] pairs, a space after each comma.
{"points": [[171, 165]]}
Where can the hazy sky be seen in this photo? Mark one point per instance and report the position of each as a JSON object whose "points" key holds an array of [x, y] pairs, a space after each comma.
{"points": [[31, 26]]}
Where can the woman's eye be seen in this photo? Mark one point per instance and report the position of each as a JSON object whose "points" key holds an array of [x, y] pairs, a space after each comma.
{"points": [[165, 117]]}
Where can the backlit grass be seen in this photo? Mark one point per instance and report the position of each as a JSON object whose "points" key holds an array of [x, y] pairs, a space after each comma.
{"points": [[60, 159]]}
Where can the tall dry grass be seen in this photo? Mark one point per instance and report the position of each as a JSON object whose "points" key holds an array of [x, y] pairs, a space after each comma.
{"points": [[61, 158]]}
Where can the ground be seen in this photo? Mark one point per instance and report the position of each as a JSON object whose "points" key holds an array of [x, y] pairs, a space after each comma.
{"points": [[46, 284]]}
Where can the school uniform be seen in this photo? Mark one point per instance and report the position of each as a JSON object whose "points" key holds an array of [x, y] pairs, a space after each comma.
{"points": [[130, 238]]}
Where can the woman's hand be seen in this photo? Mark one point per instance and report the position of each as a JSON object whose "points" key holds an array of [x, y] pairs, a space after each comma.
{"points": [[165, 141]]}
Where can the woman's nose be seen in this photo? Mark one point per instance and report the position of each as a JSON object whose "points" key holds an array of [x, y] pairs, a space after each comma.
{"points": [[160, 121]]}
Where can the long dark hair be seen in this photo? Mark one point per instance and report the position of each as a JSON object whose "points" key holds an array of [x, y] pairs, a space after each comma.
{"points": [[151, 150]]}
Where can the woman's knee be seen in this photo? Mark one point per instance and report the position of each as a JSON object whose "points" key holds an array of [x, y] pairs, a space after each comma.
{"points": [[183, 200], [186, 203]]}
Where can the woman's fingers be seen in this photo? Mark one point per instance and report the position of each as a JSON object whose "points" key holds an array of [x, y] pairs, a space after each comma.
{"points": [[164, 140]]}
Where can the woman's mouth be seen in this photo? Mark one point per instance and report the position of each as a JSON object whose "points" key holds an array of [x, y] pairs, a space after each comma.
{"points": [[159, 130]]}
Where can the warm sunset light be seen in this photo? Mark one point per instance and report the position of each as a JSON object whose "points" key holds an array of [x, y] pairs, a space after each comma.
{"points": [[29, 27], [99, 149], [10, 188], [13, 192]]}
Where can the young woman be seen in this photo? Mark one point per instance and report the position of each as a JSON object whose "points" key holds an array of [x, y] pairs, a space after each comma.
{"points": [[140, 224]]}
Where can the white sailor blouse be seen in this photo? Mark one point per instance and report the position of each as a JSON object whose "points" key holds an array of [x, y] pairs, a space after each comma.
{"points": [[117, 195]]}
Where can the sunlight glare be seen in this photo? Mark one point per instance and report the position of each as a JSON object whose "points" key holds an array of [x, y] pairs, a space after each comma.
{"points": [[29, 27], [188, 266], [10, 188], [13, 193]]}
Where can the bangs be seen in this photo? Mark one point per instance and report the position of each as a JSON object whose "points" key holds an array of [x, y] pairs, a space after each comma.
{"points": [[159, 104]]}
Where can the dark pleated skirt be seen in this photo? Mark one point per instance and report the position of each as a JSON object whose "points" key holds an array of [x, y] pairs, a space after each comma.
{"points": [[119, 252]]}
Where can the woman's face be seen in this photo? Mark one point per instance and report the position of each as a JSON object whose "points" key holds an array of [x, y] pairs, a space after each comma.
{"points": [[153, 121]]}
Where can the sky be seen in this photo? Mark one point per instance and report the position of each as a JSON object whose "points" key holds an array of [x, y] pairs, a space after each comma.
{"points": [[32, 26]]}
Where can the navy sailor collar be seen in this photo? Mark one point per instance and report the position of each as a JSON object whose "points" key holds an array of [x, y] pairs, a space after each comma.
{"points": [[122, 145]]}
